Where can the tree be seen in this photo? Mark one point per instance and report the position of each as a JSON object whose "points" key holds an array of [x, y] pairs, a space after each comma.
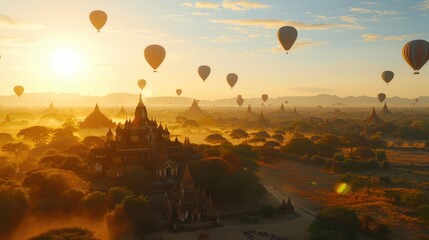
{"points": [[116, 195], [14, 204], [15, 149], [63, 137], [352, 140], [54, 190], [71, 233], [133, 216], [278, 137], [300, 146], [92, 141], [39, 135], [239, 134], [63, 161], [5, 138], [328, 145], [364, 153], [272, 144], [343, 223], [262, 134], [94, 204], [215, 139]]}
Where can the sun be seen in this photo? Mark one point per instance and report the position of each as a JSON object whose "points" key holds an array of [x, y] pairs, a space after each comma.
{"points": [[66, 62]]}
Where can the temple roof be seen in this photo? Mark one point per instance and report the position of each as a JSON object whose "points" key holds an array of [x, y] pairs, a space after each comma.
{"points": [[140, 114], [97, 120], [282, 109]]}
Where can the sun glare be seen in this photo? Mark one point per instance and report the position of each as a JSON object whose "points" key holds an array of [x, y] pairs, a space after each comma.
{"points": [[66, 62]]}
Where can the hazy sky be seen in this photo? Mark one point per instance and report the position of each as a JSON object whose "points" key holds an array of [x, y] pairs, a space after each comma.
{"points": [[343, 46]]}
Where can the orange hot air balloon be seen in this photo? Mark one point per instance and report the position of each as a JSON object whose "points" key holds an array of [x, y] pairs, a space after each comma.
{"points": [[287, 36], [381, 97], [264, 97], [204, 72], [141, 83], [416, 54], [240, 101], [239, 96], [19, 90], [286, 102], [232, 79], [98, 19], [387, 76], [155, 55], [179, 92]]}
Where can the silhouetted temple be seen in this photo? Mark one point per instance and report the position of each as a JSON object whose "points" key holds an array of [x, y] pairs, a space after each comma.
{"points": [[195, 110], [287, 208], [249, 110], [385, 110], [282, 109], [374, 118], [122, 113], [51, 110], [97, 120], [7, 119], [141, 142], [187, 206]]}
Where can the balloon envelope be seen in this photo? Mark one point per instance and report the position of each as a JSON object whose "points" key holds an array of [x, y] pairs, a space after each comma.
{"points": [[19, 90], [141, 83], [240, 101], [239, 96], [204, 72], [179, 92], [416, 54], [387, 76], [232, 79], [264, 97], [287, 36], [98, 18], [286, 102], [381, 97], [155, 55]]}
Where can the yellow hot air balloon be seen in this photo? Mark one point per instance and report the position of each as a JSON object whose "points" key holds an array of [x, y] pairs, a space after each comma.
{"points": [[141, 83], [179, 92], [232, 79], [155, 55], [204, 72], [98, 19], [19, 90], [264, 97], [287, 36]]}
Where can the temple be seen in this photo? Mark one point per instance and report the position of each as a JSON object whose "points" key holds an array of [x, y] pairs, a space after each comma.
{"points": [[97, 120], [137, 142], [195, 110], [374, 118], [385, 110], [282, 109], [51, 110], [287, 208], [187, 206], [122, 113]]}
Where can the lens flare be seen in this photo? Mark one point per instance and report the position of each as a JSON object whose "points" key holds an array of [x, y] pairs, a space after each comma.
{"points": [[342, 188]]}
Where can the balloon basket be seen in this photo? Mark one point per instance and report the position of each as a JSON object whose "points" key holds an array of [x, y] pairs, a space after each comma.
{"points": [[416, 73]]}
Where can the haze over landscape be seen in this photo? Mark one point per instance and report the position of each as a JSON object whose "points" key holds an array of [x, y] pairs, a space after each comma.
{"points": [[214, 120]]}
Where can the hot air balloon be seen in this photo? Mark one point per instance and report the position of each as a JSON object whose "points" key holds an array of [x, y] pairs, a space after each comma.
{"points": [[240, 101], [204, 72], [381, 97], [264, 97], [239, 96], [232, 79], [141, 83], [19, 90], [98, 18], [179, 92], [286, 102], [387, 76], [417, 100], [416, 54], [287, 36], [155, 55]]}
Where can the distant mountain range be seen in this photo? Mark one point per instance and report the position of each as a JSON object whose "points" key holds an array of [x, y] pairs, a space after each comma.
{"points": [[127, 99]]}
